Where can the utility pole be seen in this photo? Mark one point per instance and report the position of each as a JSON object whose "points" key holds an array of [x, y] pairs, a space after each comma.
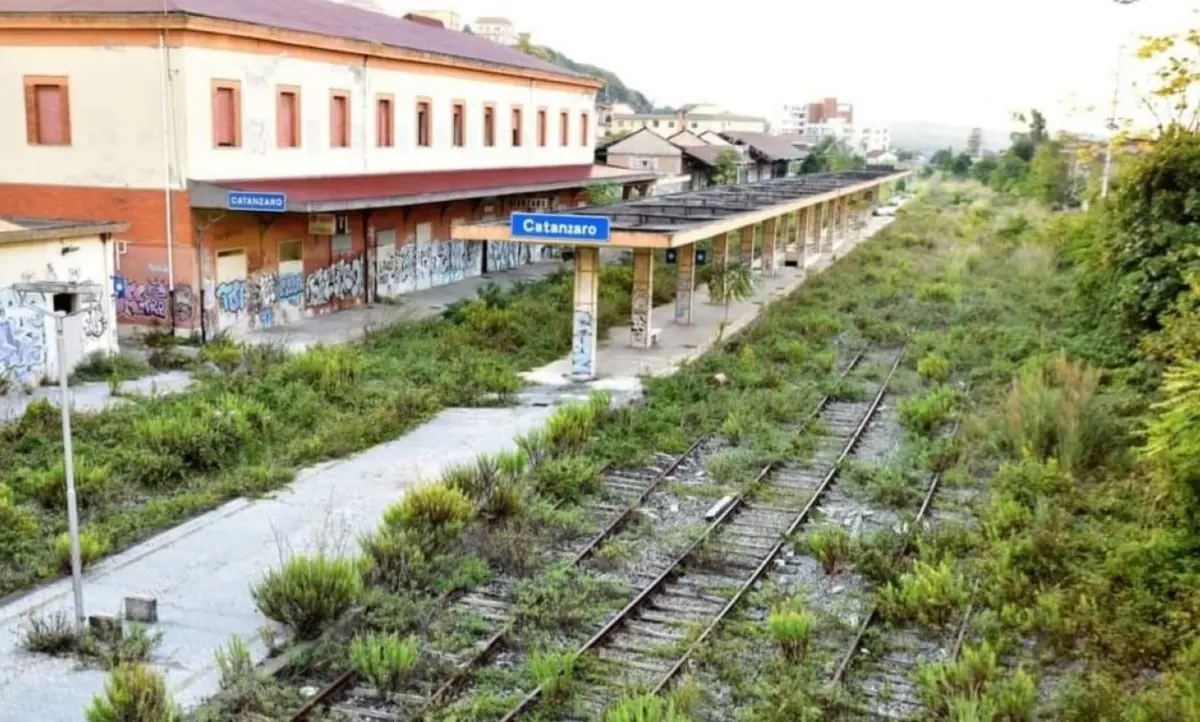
{"points": [[1112, 125], [86, 291]]}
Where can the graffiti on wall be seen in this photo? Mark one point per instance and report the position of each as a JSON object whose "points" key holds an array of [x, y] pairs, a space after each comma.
{"points": [[415, 266], [152, 299], [340, 281], [94, 322], [22, 337], [640, 308], [583, 349], [263, 299]]}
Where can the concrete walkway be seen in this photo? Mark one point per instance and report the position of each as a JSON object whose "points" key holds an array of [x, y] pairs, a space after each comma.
{"points": [[201, 572]]}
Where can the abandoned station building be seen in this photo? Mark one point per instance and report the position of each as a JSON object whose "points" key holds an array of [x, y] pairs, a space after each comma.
{"points": [[275, 160]]}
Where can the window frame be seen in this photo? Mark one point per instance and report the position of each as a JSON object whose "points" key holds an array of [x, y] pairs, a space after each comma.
{"points": [[543, 126], [388, 129], [585, 127], [347, 115], [423, 127], [458, 123], [516, 122], [489, 129], [33, 126], [564, 128], [294, 91], [234, 87]]}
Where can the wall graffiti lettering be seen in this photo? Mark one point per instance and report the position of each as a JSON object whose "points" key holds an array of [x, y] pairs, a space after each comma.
{"points": [[94, 322], [22, 337], [340, 281], [184, 303], [583, 362], [413, 266], [640, 316], [289, 288], [233, 296], [260, 299], [144, 300]]}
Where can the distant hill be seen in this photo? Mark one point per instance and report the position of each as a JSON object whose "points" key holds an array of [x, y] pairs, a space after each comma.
{"points": [[930, 137], [614, 90]]}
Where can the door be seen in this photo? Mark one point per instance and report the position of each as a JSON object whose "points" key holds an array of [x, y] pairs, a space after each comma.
{"points": [[233, 294], [423, 251], [289, 288], [389, 271]]}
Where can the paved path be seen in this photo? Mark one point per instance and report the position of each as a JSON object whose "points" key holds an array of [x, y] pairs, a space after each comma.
{"points": [[201, 572]]}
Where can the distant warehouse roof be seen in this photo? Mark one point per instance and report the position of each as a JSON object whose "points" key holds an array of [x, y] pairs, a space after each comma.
{"points": [[320, 17]]}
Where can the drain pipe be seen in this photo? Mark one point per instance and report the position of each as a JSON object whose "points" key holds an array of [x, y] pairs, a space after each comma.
{"points": [[167, 108]]}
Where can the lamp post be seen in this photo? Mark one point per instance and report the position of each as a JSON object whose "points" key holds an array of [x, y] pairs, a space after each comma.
{"points": [[86, 291]]}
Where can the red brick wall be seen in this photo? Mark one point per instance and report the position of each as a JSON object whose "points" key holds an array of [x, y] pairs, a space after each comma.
{"points": [[141, 252]]}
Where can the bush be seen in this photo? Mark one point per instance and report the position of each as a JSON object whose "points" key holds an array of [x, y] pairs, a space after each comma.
{"points": [[91, 548], [18, 526], [644, 708], [976, 687], [791, 628], [832, 546], [567, 479], [309, 592], [929, 594], [553, 672], [925, 413], [933, 367], [436, 508], [54, 634], [133, 693], [385, 660]]}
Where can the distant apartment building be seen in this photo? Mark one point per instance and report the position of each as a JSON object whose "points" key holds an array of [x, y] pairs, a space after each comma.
{"points": [[496, 29], [695, 117], [871, 139], [827, 117]]}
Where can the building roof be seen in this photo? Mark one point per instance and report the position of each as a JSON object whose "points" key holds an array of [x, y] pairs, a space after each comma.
{"points": [[341, 193], [493, 21], [642, 142], [686, 138], [710, 155], [320, 17], [770, 147], [17, 229]]}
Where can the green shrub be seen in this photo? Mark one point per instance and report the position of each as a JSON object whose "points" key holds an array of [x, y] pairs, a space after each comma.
{"points": [[385, 660], [554, 672], [18, 525], [309, 592], [831, 546], [570, 426], [791, 628], [644, 708], [930, 594], [976, 687], [933, 367], [49, 485], [567, 478], [436, 508], [54, 634], [925, 413], [133, 693], [91, 548]]}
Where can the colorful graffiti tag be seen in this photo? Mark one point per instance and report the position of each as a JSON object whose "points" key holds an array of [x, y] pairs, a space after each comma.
{"points": [[151, 299], [22, 337], [341, 281], [261, 298]]}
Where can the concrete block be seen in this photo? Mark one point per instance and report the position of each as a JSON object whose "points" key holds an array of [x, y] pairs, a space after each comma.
{"points": [[105, 627], [141, 609]]}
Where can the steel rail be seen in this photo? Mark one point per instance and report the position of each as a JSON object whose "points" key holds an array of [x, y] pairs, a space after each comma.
{"points": [[935, 480], [717, 523]]}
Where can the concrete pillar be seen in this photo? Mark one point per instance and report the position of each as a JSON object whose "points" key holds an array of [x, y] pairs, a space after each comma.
{"points": [[585, 313], [685, 283], [747, 255], [845, 217], [642, 300], [800, 236], [721, 248], [770, 239], [828, 216]]}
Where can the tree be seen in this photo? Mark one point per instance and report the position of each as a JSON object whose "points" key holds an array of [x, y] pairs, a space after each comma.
{"points": [[603, 194], [525, 45], [982, 171], [1048, 177], [1172, 99], [728, 162]]}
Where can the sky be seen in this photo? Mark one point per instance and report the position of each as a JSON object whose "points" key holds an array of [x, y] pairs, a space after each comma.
{"points": [[943, 61]]}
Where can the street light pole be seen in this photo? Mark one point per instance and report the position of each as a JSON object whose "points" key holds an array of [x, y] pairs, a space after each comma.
{"points": [[60, 317], [1112, 126], [69, 468]]}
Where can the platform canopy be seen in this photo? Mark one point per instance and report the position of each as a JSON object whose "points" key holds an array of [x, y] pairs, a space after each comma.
{"points": [[680, 219]]}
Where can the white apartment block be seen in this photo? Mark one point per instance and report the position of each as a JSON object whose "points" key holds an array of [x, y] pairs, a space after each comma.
{"points": [[497, 29]]}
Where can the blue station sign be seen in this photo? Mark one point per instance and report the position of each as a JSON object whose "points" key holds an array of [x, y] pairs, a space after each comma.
{"points": [[560, 227], [256, 201]]}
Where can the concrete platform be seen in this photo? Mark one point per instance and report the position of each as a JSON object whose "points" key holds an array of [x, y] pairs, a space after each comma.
{"points": [[201, 571]]}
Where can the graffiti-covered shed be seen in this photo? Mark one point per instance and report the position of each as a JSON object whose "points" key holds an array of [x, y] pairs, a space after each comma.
{"points": [[62, 258]]}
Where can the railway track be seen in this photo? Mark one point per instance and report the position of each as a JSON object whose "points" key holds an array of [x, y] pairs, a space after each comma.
{"points": [[889, 691], [652, 639], [494, 603]]}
